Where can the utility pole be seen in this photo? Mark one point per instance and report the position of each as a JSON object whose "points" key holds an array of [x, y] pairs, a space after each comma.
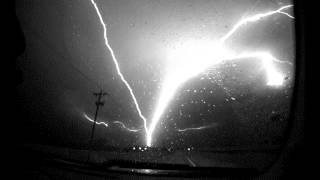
{"points": [[98, 103]]}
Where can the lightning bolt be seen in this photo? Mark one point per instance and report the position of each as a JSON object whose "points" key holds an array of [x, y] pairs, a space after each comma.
{"points": [[187, 66], [126, 128], [91, 120], [117, 65], [122, 125], [191, 63], [195, 128], [254, 19]]}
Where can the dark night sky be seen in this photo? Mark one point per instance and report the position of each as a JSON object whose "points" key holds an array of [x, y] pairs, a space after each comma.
{"points": [[65, 61]]}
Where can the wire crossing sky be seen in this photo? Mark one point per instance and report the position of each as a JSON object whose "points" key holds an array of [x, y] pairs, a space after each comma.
{"points": [[193, 58]]}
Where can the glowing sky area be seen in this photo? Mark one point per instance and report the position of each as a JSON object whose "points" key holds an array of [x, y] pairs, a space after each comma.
{"points": [[191, 58]]}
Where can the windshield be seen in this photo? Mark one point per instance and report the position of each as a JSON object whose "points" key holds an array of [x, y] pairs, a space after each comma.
{"points": [[180, 76]]}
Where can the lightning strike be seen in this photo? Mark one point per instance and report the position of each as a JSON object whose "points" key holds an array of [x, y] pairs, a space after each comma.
{"points": [[117, 65], [193, 58], [274, 78], [126, 128], [194, 128], [253, 19], [122, 125], [91, 120], [287, 14]]}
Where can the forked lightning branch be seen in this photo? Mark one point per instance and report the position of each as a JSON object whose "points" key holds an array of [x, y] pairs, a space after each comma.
{"points": [[191, 59]]}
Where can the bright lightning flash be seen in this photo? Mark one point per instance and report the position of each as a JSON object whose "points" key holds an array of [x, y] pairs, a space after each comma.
{"points": [[122, 125], [126, 128], [196, 128], [193, 58], [91, 120], [117, 65]]}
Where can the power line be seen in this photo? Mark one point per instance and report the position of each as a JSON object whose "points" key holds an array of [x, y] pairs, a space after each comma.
{"points": [[98, 103]]}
